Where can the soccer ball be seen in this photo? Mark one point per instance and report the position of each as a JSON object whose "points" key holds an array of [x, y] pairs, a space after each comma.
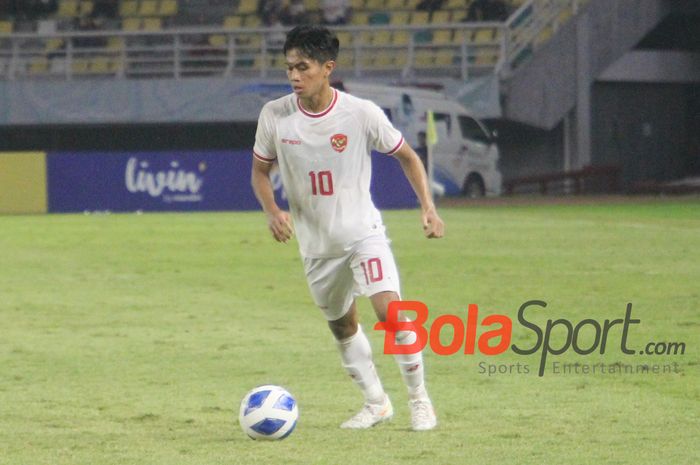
{"points": [[268, 412]]}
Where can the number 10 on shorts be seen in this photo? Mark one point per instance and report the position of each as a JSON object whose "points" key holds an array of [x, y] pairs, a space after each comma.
{"points": [[373, 270]]}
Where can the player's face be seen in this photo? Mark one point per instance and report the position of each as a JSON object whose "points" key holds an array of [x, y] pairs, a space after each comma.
{"points": [[307, 76]]}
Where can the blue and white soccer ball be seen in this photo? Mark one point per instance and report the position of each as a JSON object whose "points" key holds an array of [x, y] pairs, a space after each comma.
{"points": [[268, 412]]}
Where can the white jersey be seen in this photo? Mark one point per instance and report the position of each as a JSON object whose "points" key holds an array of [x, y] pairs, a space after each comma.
{"points": [[324, 160]]}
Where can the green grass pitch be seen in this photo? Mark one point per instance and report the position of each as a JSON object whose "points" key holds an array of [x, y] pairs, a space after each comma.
{"points": [[130, 339]]}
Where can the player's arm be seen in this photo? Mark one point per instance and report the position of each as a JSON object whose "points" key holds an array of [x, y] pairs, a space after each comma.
{"points": [[278, 220], [415, 173]]}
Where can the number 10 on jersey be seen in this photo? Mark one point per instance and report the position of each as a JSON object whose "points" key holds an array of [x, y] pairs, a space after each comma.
{"points": [[321, 182]]}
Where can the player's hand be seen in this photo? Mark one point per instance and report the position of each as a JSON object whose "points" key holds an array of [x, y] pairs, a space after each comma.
{"points": [[280, 224], [433, 227]]}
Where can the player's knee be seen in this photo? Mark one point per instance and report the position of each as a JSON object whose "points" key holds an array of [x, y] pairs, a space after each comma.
{"points": [[345, 326], [380, 303]]}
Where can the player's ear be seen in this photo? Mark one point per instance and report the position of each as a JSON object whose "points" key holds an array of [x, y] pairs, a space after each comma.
{"points": [[329, 66]]}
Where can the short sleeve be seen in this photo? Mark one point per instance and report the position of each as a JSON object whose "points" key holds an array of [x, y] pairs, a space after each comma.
{"points": [[264, 148], [383, 136]]}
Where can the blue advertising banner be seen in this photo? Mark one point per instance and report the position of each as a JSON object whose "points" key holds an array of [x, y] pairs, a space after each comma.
{"points": [[181, 181]]}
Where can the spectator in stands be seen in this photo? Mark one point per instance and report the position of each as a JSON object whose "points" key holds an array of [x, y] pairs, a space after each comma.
{"points": [[7, 8], [86, 24], [487, 10], [430, 5], [46, 7], [105, 9], [34, 9], [276, 37], [294, 13], [335, 12], [270, 11]]}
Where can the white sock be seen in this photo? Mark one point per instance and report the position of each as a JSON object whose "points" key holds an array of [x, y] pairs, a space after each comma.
{"points": [[411, 366], [356, 354]]}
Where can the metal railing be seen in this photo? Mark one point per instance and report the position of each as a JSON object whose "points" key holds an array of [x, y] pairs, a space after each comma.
{"points": [[457, 50]]}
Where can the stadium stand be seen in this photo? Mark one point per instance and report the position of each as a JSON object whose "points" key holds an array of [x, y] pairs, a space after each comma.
{"points": [[179, 38]]}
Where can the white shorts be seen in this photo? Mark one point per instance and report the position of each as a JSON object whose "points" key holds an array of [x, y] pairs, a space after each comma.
{"points": [[368, 268]]}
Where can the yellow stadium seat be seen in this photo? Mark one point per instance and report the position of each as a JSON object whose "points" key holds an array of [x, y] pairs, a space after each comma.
{"points": [[251, 21], [39, 66], [148, 8], [444, 58], [383, 60], [80, 66], [115, 43], [345, 38], [167, 8], [131, 24], [101, 65], [246, 7], [381, 37], [399, 18], [419, 17], [68, 9], [423, 58], [152, 24], [367, 60], [393, 5], [312, 5], [345, 60], [457, 5], [361, 18], [441, 17], [544, 35], [485, 57], [400, 38], [54, 43], [366, 37], [357, 5], [442, 36], [374, 4], [128, 8], [6, 27], [411, 4], [565, 15], [484, 35], [233, 22], [218, 40], [86, 8], [279, 61], [249, 41], [400, 59]]}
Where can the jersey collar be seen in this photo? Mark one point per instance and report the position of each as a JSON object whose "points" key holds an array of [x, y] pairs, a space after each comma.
{"points": [[324, 112]]}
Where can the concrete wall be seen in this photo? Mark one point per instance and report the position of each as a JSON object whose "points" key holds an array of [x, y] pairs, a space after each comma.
{"points": [[546, 88], [647, 129]]}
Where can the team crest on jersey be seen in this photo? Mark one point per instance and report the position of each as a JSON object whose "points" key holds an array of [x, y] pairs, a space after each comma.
{"points": [[339, 142]]}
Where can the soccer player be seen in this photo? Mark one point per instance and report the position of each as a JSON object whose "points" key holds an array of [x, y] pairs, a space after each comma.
{"points": [[322, 139]]}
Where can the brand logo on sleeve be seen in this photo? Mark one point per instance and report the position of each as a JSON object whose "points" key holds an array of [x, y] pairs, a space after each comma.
{"points": [[339, 142]]}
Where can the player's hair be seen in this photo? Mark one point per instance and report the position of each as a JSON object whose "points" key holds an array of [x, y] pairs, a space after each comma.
{"points": [[315, 42]]}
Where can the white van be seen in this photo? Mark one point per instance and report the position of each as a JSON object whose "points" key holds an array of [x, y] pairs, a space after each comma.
{"points": [[465, 158]]}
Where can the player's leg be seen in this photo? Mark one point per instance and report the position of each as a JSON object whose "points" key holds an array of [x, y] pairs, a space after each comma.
{"points": [[377, 275], [410, 365], [356, 354], [332, 287]]}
